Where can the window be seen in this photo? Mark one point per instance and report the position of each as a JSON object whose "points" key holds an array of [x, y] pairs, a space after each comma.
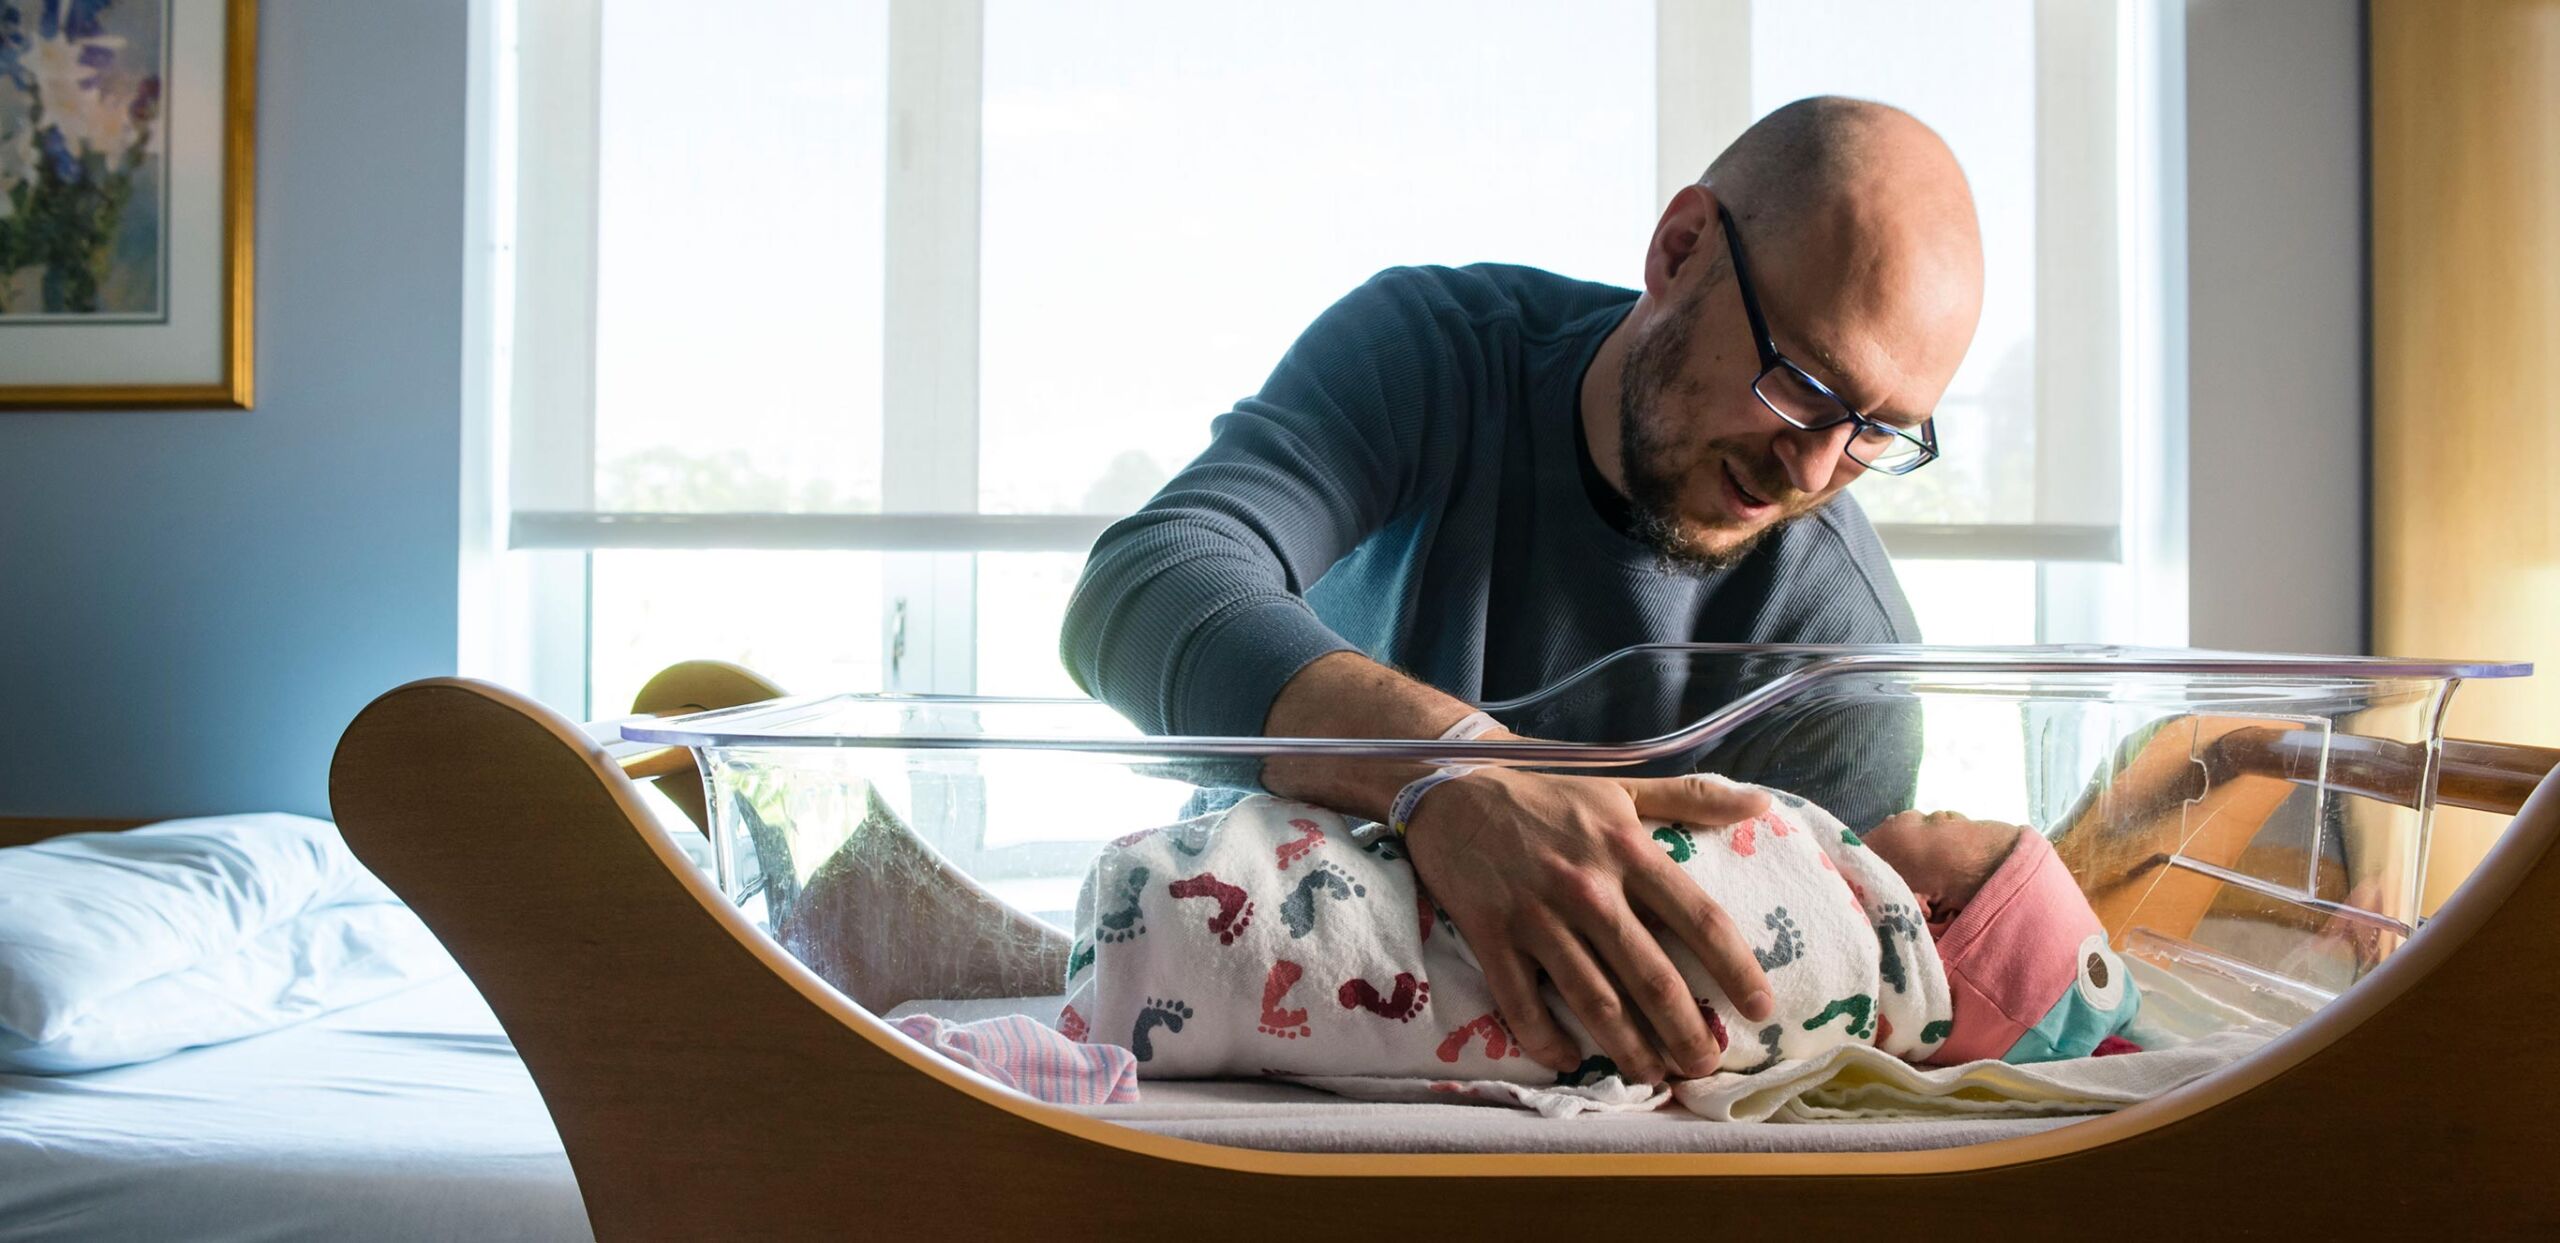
{"points": [[829, 343], [1174, 191]]}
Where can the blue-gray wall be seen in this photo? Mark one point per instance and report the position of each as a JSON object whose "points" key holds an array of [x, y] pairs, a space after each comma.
{"points": [[194, 604]]}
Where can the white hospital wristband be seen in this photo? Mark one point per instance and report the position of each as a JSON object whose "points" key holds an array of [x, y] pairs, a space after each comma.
{"points": [[1471, 726], [1400, 812]]}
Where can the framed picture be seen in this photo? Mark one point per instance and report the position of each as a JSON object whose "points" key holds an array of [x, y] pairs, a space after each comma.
{"points": [[127, 178]]}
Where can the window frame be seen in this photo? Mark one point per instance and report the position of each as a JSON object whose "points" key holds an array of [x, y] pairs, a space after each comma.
{"points": [[2109, 337]]}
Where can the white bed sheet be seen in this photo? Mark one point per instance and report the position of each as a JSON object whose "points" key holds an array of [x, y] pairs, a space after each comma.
{"points": [[404, 1118]]}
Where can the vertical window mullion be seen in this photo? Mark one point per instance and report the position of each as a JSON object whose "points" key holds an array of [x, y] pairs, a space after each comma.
{"points": [[2078, 308], [2079, 289], [2152, 103], [929, 380], [1701, 86], [2109, 383], [551, 364]]}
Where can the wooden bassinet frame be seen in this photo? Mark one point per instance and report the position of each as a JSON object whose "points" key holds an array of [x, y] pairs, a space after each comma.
{"points": [[706, 1084]]}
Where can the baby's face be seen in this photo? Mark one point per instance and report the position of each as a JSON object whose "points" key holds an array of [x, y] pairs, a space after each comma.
{"points": [[1943, 856]]}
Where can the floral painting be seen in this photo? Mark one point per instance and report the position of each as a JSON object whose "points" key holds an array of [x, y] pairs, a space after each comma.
{"points": [[83, 166]]}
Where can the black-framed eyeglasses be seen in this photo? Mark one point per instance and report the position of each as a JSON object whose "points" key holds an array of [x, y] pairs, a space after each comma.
{"points": [[1807, 404]]}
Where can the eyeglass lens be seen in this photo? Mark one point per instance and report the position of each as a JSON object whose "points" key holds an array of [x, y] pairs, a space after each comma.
{"points": [[1787, 393]]}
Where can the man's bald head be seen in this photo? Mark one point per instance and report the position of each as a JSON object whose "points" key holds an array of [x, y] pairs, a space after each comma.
{"points": [[1866, 262], [1817, 152], [1852, 207]]}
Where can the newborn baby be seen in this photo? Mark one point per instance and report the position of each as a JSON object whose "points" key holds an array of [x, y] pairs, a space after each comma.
{"points": [[1281, 939]]}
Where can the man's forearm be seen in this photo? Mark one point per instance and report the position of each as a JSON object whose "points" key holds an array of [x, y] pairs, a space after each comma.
{"points": [[1348, 695]]}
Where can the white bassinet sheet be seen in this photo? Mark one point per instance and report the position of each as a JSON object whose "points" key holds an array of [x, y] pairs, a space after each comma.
{"points": [[1286, 1117]]}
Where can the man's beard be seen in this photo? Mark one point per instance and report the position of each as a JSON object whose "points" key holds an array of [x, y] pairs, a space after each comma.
{"points": [[1652, 460]]}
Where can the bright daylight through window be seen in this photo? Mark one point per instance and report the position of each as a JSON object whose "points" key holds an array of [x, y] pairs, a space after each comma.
{"points": [[900, 313]]}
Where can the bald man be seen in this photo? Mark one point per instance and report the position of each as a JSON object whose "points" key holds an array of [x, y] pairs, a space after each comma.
{"points": [[1462, 484]]}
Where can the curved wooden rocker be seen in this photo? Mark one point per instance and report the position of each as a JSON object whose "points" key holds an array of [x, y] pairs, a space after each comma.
{"points": [[707, 1084]]}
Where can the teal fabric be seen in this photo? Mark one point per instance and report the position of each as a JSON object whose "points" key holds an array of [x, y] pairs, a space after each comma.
{"points": [[2075, 1025]]}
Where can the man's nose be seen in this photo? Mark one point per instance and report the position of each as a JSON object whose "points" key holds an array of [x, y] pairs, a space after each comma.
{"points": [[1811, 458]]}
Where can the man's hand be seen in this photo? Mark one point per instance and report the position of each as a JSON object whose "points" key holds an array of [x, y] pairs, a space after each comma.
{"points": [[1557, 874], [1540, 872]]}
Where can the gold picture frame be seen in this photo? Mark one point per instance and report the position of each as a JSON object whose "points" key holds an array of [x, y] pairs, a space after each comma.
{"points": [[232, 300]]}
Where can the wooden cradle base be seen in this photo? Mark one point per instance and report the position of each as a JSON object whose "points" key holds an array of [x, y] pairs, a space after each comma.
{"points": [[707, 1085]]}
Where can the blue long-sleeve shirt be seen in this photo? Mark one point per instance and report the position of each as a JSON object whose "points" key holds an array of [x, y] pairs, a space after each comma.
{"points": [[1406, 485]]}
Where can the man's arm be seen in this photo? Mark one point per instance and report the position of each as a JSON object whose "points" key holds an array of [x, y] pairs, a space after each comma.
{"points": [[1348, 695], [1191, 613], [1191, 618]]}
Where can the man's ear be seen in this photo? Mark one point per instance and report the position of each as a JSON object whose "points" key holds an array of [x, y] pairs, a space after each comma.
{"points": [[1683, 240]]}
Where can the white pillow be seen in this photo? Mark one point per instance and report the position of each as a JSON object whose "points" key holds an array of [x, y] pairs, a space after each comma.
{"points": [[89, 916], [323, 960]]}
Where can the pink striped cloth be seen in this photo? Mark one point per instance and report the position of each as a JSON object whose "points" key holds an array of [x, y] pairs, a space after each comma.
{"points": [[1030, 1057]]}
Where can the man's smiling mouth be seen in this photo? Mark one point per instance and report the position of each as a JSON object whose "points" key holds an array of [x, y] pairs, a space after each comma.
{"points": [[1738, 486]]}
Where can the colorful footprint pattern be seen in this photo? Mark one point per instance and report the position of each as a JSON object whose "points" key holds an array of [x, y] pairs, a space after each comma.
{"points": [[1298, 910], [1235, 910], [1498, 1042], [1315, 884], [1789, 945], [1276, 1020], [1677, 842], [1169, 1015], [1409, 998], [1310, 836]]}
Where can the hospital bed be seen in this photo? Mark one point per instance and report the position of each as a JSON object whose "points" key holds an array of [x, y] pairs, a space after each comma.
{"points": [[2253, 828], [405, 1118]]}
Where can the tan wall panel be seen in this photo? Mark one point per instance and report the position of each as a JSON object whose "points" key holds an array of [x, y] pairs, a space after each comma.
{"points": [[2466, 327]]}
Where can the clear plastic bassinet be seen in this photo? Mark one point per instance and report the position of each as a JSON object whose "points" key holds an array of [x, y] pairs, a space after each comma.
{"points": [[2252, 830]]}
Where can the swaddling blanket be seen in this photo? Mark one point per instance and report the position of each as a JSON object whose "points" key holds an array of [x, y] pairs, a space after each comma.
{"points": [[1281, 939], [1853, 1083]]}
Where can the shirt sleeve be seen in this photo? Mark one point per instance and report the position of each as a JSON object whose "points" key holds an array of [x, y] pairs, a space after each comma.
{"points": [[1191, 613]]}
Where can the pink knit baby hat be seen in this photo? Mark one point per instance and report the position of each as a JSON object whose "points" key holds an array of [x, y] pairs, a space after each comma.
{"points": [[2029, 968]]}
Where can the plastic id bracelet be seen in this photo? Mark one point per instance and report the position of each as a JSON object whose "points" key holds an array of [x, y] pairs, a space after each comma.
{"points": [[1400, 812]]}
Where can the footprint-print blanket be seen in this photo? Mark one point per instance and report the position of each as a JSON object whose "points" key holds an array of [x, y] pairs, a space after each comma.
{"points": [[1280, 939]]}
